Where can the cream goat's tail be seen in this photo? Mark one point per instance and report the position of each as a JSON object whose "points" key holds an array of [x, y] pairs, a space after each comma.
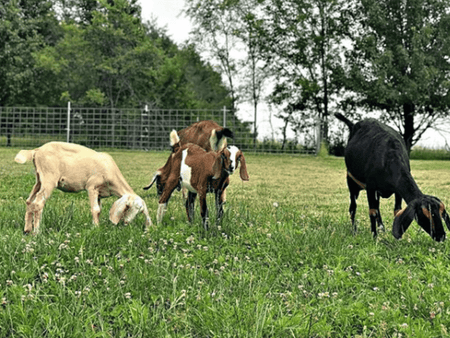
{"points": [[23, 156]]}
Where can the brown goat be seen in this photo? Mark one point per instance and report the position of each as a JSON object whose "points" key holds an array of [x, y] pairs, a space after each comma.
{"points": [[199, 133], [196, 169]]}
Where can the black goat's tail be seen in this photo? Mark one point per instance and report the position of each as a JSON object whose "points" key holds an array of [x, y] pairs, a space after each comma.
{"points": [[341, 117]]}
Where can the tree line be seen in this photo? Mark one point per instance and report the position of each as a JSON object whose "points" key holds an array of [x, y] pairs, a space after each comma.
{"points": [[317, 57], [312, 57], [98, 54]]}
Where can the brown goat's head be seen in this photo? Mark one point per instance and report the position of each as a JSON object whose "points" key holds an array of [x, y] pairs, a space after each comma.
{"points": [[159, 184], [428, 211], [238, 157]]}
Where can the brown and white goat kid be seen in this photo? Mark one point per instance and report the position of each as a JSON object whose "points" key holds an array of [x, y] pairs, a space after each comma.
{"points": [[201, 134], [196, 169], [72, 168]]}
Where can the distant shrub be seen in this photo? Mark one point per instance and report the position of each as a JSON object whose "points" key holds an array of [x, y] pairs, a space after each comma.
{"points": [[421, 153]]}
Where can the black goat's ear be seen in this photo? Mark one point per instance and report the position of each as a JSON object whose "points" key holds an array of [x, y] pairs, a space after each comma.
{"points": [[403, 220], [445, 217]]}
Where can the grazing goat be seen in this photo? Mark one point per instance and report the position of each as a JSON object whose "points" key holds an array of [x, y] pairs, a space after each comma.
{"points": [[200, 133], [196, 169], [377, 160], [73, 168]]}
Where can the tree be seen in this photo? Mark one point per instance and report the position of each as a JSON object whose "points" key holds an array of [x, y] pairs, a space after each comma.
{"points": [[25, 28], [400, 62], [303, 44], [228, 30]]}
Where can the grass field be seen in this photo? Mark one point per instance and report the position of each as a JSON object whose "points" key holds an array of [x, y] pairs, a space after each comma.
{"points": [[283, 263]]}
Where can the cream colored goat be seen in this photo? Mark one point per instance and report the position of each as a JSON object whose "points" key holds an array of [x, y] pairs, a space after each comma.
{"points": [[73, 168]]}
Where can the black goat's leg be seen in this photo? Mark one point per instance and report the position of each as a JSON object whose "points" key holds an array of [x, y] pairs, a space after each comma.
{"points": [[354, 193], [374, 211], [398, 204]]}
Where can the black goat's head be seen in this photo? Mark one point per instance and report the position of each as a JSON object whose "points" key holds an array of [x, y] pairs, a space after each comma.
{"points": [[428, 211]]}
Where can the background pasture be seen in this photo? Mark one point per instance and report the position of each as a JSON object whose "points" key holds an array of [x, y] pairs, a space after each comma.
{"points": [[282, 263]]}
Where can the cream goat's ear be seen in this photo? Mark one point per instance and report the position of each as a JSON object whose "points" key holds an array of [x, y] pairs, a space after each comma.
{"points": [[118, 209]]}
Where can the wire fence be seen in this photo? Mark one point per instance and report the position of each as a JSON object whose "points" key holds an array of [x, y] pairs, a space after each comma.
{"points": [[144, 129]]}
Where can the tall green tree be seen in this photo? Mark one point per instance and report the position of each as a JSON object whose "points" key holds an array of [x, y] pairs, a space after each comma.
{"points": [[25, 28], [303, 44], [400, 62], [227, 31]]}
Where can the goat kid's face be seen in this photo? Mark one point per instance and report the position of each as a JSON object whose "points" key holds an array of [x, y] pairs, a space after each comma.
{"points": [[237, 157], [428, 212], [222, 162]]}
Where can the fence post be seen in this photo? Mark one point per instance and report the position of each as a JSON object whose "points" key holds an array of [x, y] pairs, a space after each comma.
{"points": [[224, 116], [68, 122]]}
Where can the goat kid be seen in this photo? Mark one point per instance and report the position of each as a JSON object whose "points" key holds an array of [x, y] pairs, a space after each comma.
{"points": [[72, 168], [377, 161], [196, 169]]}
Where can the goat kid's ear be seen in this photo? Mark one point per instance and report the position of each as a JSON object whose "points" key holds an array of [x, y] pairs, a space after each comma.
{"points": [[403, 220], [217, 167], [243, 170], [118, 209]]}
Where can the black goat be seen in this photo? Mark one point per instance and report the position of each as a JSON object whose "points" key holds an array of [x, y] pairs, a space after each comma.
{"points": [[377, 160]]}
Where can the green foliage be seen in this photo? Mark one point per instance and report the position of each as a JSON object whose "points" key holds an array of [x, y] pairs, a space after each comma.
{"points": [[98, 53], [284, 253], [399, 62]]}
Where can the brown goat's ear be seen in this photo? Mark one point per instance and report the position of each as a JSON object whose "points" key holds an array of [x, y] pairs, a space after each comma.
{"points": [[403, 220], [243, 170], [222, 144], [213, 140]]}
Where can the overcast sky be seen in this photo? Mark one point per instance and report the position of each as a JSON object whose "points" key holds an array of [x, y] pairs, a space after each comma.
{"points": [[168, 15]]}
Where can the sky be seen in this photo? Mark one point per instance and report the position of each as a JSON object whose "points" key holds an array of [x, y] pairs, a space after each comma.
{"points": [[168, 14]]}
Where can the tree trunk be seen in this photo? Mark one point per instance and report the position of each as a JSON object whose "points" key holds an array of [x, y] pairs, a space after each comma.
{"points": [[408, 115]]}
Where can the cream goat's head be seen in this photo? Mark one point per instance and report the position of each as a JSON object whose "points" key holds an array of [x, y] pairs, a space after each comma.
{"points": [[127, 207]]}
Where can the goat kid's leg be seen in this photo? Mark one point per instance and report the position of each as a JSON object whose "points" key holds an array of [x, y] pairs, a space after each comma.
{"points": [[374, 211], [204, 211], [171, 185], [219, 203], [190, 202]]}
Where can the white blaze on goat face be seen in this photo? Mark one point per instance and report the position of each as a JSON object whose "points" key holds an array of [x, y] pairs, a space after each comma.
{"points": [[233, 150], [185, 173]]}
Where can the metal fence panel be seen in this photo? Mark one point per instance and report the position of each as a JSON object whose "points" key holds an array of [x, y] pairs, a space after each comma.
{"points": [[30, 127]]}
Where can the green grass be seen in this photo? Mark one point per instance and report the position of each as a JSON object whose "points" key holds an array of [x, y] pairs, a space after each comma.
{"points": [[283, 263]]}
